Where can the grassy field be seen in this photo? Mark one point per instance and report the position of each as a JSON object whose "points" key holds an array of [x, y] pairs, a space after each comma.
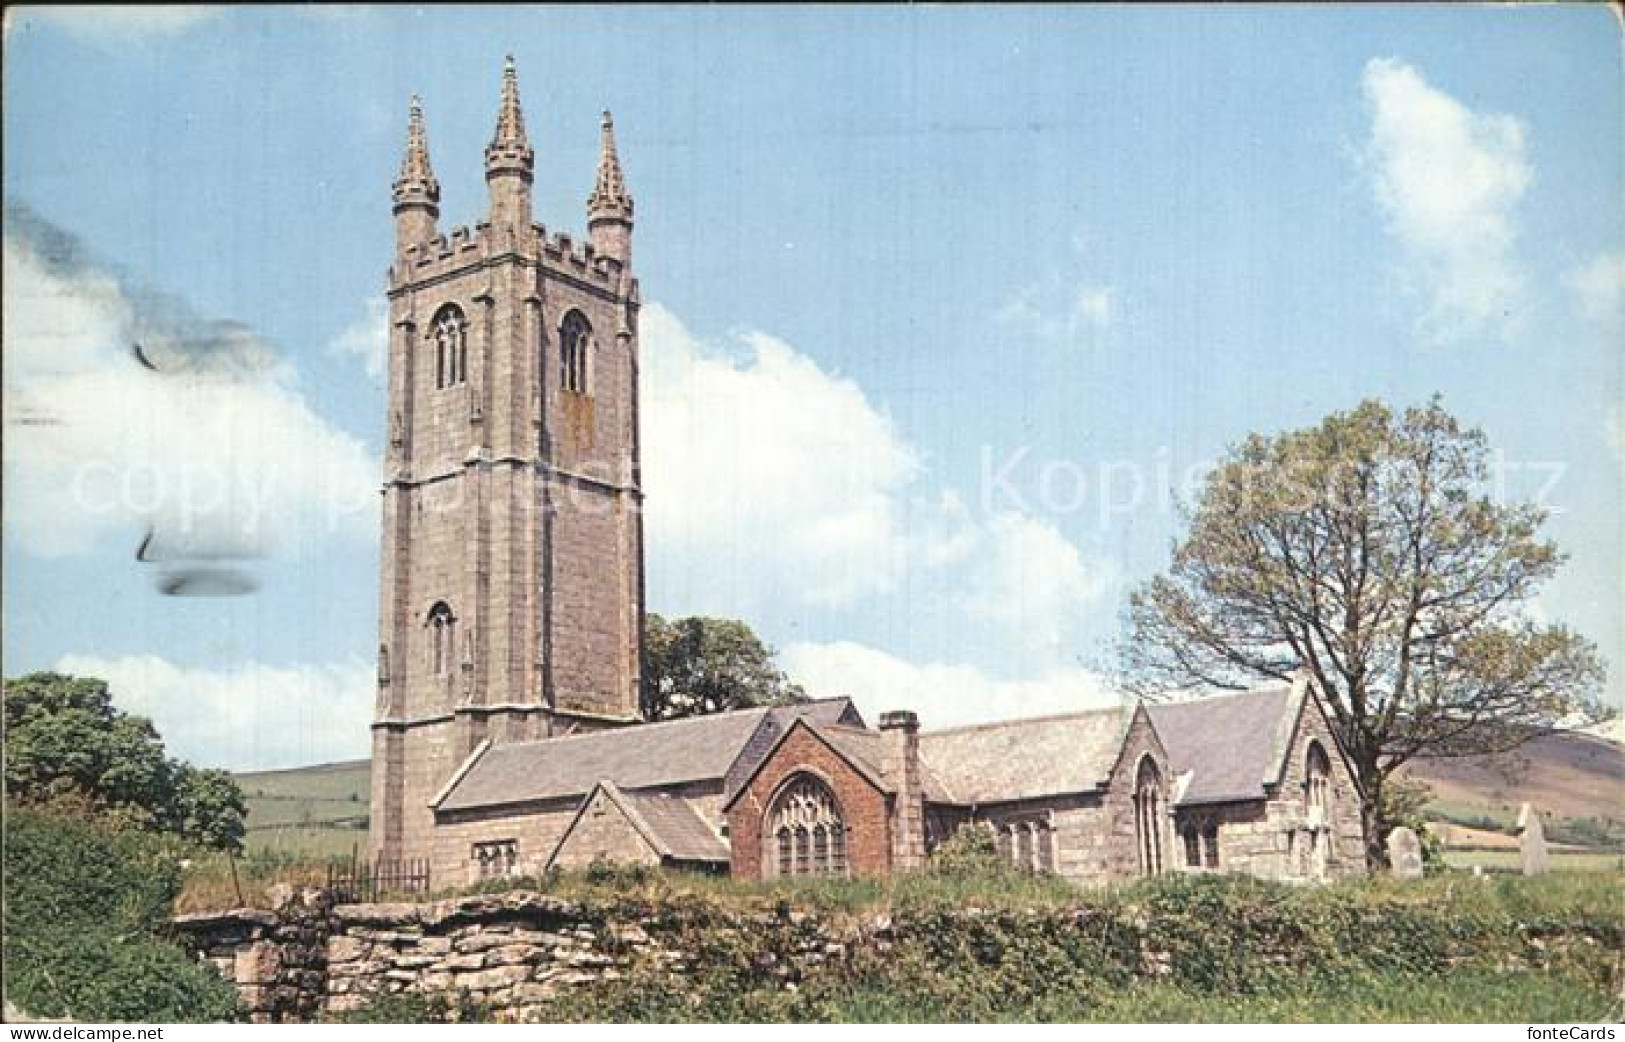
{"points": [[318, 811], [1509, 861]]}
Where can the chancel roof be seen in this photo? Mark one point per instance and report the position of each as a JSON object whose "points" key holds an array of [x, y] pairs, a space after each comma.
{"points": [[1231, 745]]}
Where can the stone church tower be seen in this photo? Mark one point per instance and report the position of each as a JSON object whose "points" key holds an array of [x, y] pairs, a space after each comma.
{"points": [[511, 588]]}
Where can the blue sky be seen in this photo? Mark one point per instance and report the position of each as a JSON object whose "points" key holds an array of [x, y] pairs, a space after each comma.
{"points": [[941, 303]]}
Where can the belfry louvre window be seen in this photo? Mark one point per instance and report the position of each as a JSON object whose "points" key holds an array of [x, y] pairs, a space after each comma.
{"points": [[450, 338], [806, 830], [499, 857], [441, 632], [574, 338]]}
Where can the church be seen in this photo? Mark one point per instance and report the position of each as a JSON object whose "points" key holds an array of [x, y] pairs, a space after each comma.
{"points": [[507, 736]]}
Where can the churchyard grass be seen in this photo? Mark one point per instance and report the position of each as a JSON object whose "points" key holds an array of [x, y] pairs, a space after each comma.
{"points": [[1461, 996]]}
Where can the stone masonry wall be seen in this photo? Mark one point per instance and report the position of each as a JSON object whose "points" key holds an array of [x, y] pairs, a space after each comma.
{"points": [[603, 831]]}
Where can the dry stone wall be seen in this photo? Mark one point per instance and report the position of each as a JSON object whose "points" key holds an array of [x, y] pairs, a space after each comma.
{"points": [[511, 953], [512, 956]]}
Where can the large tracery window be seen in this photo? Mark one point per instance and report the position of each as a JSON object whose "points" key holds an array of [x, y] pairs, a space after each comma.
{"points": [[1148, 815], [450, 336], [805, 830], [574, 337]]}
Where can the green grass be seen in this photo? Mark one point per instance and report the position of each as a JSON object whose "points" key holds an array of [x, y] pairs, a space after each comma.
{"points": [[302, 841], [1460, 997], [614, 884], [1511, 861]]}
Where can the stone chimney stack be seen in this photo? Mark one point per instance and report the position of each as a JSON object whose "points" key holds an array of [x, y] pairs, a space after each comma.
{"points": [[900, 730]]}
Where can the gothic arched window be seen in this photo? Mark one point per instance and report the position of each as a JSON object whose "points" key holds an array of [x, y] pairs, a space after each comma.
{"points": [[805, 831], [1148, 815], [450, 336], [441, 624], [574, 336], [1317, 784]]}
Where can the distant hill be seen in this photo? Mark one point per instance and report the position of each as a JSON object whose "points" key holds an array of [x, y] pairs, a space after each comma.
{"points": [[320, 810], [1570, 777]]}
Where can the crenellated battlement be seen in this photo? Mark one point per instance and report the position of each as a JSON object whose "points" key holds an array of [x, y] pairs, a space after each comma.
{"points": [[472, 244], [583, 258], [424, 253]]}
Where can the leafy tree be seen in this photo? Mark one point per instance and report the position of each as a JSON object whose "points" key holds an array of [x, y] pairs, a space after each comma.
{"points": [[700, 665], [65, 742], [1367, 550], [209, 808]]}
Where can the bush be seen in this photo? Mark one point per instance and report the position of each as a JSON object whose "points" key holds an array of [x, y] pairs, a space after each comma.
{"points": [[87, 909], [1221, 947], [972, 851]]}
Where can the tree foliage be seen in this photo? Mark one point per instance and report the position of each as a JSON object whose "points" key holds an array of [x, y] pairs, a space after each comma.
{"points": [[701, 665], [65, 742], [1368, 550]]}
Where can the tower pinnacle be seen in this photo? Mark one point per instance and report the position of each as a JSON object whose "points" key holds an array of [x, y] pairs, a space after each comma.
{"points": [[509, 146], [609, 207], [417, 193], [609, 198], [508, 158]]}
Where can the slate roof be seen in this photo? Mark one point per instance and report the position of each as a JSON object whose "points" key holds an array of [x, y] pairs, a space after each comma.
{"points": [[1022, 759], [1231, 744], [676, 828], [672, 752], [863, 750]]}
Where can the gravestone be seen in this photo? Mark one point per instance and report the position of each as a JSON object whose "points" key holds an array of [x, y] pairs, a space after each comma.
{"points": [[1404, 854], [1532, 841]]}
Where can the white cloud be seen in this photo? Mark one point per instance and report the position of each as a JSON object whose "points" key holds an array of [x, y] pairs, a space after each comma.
{"points": [[766, 473], [244, 717], [1599, 286], [944, 695], [218, 450], [1064, 315], [122, 23], [772, 482], [1034, 585], [367, 339], [1449, 180]]}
